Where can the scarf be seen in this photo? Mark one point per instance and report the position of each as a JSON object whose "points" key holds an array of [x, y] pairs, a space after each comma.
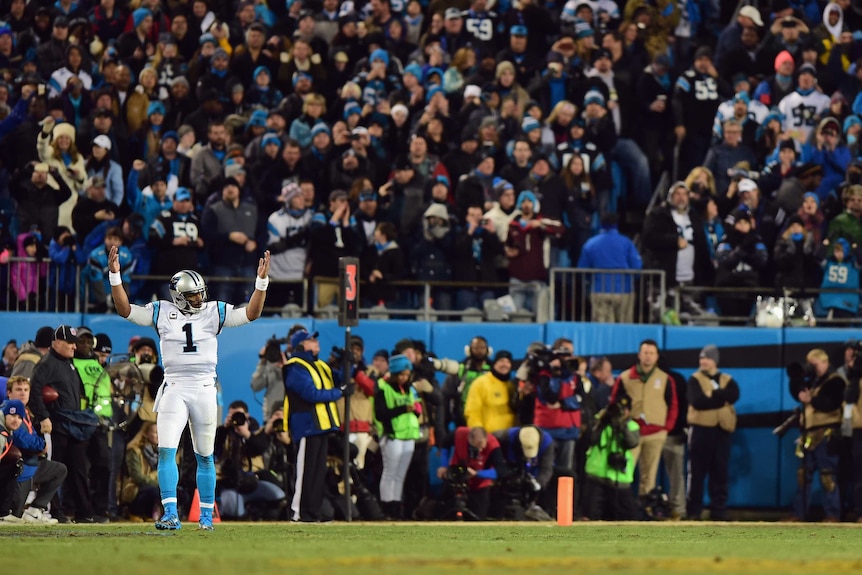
{"points": [[151, 456]]}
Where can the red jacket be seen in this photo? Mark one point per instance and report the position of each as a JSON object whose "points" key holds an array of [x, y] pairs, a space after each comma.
{"points": [[560, 417], [461, 455], [529, 264]]}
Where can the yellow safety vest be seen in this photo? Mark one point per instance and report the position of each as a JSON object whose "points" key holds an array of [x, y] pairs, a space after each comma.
{"points": [[321, 375]]}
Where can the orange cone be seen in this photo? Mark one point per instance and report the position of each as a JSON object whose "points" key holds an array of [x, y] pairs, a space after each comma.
{"points": [[195, 511], [565, 496]]}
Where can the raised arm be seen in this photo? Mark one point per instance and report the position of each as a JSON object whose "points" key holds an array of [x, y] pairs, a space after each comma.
{"points": [[118, 292], [258, 297]]}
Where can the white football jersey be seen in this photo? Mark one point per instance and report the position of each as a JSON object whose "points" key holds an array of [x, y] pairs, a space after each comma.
{"points": [[803, 113], [188, 347]]}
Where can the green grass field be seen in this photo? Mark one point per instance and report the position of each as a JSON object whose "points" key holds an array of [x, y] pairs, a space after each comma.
{"points": [[249, 549]]}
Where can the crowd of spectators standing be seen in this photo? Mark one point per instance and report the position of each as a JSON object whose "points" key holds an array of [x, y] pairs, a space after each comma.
{"points": [[467, 141]]}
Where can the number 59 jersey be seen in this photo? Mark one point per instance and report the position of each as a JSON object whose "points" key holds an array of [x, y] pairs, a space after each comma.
{"points": [[188, 344]]}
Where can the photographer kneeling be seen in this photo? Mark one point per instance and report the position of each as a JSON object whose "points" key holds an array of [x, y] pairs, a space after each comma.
{"points": [[610, 467], [478, 455], [239, 447], [529, 453]]}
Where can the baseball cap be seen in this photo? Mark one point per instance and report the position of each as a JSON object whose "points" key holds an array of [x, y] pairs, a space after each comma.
{"points": [[530, 438], [14, 407], [83, 332], [301, 336], [337, 194], [518, 30], [103, 343], [102, 141], [66, 333], [746, 185], [752, 13], [182, 194], [453, 13], [808, 69], [359, 131]]}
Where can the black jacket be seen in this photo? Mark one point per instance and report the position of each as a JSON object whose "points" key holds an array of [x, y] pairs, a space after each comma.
{"points": [[59, 373], [660, 245], [465, 267]]}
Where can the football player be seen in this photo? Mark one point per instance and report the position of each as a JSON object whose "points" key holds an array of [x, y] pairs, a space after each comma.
{"points": [[187, 328]]}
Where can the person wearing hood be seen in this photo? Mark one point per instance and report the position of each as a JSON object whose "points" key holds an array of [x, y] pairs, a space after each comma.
{"points": [[793, 256], [134, 46], [262, 91], [828, 33], [432, 252], [73, 68], [386, 264], [489, 401], [525, 247], [741, 257]]}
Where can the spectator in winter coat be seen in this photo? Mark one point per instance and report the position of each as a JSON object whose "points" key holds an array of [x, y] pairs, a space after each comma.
{"points": [[39, 193], [56, 146], [526, 252], [66, 257], [832, 153], [725, 156], [793, 257], [476, 249], [848, 224], [741, 257], [27, 276], [841, 264], [332, 236], [387, 266], [97, 266], [611, 295], [477, 187], [149, 205], [288, 240], [431, 255], [93, 208], [100, 164]]}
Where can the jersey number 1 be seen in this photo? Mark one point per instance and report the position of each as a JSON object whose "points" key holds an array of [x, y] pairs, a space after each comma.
{"points": [[190, 346]]}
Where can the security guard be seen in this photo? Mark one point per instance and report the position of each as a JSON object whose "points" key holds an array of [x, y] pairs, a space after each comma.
{"points": [[821, 392], [711, 395], [311, 389]]}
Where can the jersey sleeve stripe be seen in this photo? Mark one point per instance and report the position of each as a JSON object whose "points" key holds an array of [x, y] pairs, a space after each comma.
{"points": [[222, 314]]}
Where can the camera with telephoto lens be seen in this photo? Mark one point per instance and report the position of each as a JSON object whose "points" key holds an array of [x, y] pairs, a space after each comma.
{"points": [[278, 426], [458, 476], [238, 419], [447, 366], [272, 351]]}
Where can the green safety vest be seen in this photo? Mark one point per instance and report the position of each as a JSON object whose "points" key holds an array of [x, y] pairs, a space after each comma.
{"points": [[404, 426], [97, 386], [597, 458], [468, 376]]}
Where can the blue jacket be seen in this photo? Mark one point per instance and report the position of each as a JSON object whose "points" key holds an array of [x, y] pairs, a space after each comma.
{"points": [[610, 250], [146, 205], [31, 445], [62, 273], [97, 267], [114, 190], [303, 396]]}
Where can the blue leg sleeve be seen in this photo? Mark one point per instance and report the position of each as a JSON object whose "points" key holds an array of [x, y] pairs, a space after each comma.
{"points": [[206, 483], [169, 476]]}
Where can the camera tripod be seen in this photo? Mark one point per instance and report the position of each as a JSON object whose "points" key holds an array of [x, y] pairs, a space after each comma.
{"points": [[459, 510]]}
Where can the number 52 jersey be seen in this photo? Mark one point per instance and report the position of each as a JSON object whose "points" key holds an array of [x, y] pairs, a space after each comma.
{"points": [[187, 341]]}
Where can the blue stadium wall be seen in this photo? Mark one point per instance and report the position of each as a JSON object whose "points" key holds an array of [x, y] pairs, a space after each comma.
{"points": [[762, 466]]}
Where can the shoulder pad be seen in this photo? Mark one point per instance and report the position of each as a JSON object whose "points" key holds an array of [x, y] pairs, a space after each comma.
{"points": [[165, 213]]}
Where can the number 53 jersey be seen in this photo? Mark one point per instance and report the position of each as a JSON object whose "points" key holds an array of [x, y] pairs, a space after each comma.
{"points": [[187, 341]]}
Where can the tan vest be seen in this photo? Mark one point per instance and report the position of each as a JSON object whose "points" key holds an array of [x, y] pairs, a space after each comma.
{"points": [[647, 398], [814, 418], [856, 414], [723, 417]]}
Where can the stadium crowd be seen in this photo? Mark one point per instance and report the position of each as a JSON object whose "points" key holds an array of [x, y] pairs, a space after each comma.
{"points": [[467, 141], [486, 436]]}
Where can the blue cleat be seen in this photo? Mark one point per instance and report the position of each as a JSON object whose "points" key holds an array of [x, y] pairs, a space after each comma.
{"points": [[169, 522], [205, 524]]}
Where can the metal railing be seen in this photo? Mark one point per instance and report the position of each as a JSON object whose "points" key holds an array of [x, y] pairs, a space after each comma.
{"points": [[35, 284], [776, 308], [607, 296], [421, 300]]}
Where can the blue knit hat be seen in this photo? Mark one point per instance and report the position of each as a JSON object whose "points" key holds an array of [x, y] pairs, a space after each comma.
{"points": [[399, 363], [207, 37], [270, 138], [155, 108], [528, 195], [594, 97], [257, 118], [813, 196], [379, 54], [320, 128], [139, 15], [414, 69], [171, 135], [297, 76], [529, 124], [261, 70], [742, 97], [431, 91], [351, 108]]}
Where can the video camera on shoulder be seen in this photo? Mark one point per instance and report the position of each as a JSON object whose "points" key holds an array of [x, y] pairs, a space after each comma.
{"points": [[272, 351], [804, 373], [540, 360]]}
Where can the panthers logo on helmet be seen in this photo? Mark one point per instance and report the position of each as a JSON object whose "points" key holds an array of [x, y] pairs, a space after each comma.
{"points": [[184, 283]]}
